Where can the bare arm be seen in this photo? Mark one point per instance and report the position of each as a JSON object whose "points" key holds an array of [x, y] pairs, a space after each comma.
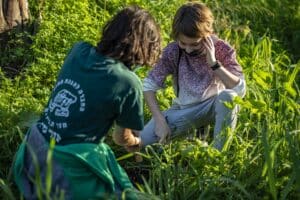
{"points": [[162, 129], [150, 97], [125, 137], [230, 80]]}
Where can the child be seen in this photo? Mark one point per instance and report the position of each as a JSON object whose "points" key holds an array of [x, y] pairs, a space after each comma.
{"points": [[205, 72], [94, 90]]}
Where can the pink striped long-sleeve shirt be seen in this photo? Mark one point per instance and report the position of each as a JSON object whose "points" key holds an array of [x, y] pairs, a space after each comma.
{"points": [[196, 80]]}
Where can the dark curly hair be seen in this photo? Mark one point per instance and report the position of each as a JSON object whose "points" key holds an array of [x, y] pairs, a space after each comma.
{"points": [[132, 37]]}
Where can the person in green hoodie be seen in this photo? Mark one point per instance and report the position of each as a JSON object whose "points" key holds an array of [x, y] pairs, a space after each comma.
{"points": [[95, 90]]}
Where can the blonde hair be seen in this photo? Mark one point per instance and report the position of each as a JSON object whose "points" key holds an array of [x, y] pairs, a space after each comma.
{"points": [[193, 20]]}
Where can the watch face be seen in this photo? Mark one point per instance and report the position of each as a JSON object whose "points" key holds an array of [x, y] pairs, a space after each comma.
{"points": [[215, 66]]}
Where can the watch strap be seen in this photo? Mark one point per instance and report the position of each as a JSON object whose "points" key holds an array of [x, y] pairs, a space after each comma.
{"points": [[216, 66]]}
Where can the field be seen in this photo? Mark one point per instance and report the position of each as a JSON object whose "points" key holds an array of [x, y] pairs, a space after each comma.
{"points": [[261, 158]]}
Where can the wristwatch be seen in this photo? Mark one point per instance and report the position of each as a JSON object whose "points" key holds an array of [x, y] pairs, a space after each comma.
{"points": [[216, 66]]}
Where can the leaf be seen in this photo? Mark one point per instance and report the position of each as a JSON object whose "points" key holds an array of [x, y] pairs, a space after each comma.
{"points": [[289, 88], [128, 155], [260, 81], [260, 104]]}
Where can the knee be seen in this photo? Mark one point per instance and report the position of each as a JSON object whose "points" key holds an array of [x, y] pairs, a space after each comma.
{"points": [[147, 135], [226, 95]]}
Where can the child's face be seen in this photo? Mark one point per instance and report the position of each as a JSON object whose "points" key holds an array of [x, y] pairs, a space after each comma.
{"points": [[190, 45]]}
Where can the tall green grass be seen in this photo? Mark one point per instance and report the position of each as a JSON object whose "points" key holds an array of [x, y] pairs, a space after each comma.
{"points": [[260, 161]]}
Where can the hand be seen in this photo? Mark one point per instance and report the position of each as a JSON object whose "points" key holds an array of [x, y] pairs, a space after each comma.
{"points": [[136, 133], [210, 51], [162, 130], [135, 147]]}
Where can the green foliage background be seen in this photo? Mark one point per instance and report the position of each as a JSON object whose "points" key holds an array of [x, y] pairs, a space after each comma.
{"points": [[261, 159]]}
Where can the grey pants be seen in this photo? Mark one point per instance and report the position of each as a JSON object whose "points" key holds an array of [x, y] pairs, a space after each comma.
{"points": [[180, 120]]}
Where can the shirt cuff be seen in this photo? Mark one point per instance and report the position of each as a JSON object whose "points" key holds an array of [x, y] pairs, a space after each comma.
{"points": [[150, 85]]}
